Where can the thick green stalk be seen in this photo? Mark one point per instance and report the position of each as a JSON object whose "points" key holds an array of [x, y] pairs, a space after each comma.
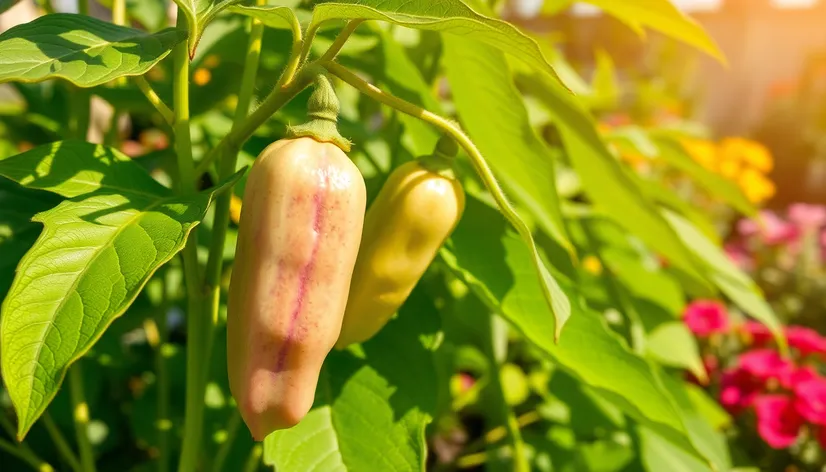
{"points": [[226, 167], [80, 414], [194, 410], [26, 456], [233, 425], [254, 458], [83, 7], [60, 442]]}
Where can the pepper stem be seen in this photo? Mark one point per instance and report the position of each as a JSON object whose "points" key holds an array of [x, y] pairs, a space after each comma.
{"points": [[322, 114], [441, 161]]}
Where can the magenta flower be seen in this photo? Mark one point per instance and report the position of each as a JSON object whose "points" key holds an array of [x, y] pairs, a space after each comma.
{"points": [[706, 317], [765, 364], [807, 216], [770, 228], [797, 376], [758, 332], [810, 400], [806, 340], [778, 421], [738, 389]]}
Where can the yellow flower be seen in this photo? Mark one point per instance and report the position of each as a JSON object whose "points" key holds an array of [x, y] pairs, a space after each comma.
{"points": [[729, 168], [592, 265], [703, 151], [202, 77], [756, 186], [748, 152]]}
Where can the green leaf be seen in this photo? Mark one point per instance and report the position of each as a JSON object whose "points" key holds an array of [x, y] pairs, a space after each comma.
{"points": [[672, 344], [7, 4], [659, 454], [664, 17], [96, 252], [494, 262], [708, 407], [726, 276], [604, 180], [492, 112], [81, 49], [673, 152], [370, 411], [198, 15], [17, 231], [272, 17], [450, 16]]}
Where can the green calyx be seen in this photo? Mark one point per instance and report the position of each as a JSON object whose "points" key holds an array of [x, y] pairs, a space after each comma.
{"points": [[322, 111], [443, 158]]}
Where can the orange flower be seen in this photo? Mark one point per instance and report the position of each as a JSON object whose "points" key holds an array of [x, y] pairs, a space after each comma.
{"points": [[748, 152], [703, 151]]}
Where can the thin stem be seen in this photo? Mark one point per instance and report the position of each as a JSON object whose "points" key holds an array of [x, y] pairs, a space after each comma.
{"points": [[26, 455], [80, 414], [194, 409], [233, 425], [119, 12], [47, 6], [6, 425], [163, 423], [150, 94], [226, 167], [254, 458], [83, 7], [476, 158], [60, 442], [296, 56], [308, 42], [340, 40]]}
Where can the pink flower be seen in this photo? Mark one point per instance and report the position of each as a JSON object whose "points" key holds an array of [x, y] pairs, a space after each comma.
{"points": [[807, 216], [806, 340], [758, 333], [738, 389], [797, 376], [765, 364], [778, 422], [705, 317], [770, 228], [810, 400], [740, 256]]}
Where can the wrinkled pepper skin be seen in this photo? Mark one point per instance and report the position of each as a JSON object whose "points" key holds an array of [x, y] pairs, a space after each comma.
{"points": [[299, 235], [413, 215]]}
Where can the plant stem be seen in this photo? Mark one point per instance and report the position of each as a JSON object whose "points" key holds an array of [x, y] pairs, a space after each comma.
{"points": [[342, 38], [150, 94], [296, 54], [26, 455], [194, 409], [60, 442], [83, 7], [254, 458], [163, 422], [226, 167], [476, 158], [80, 414], [233, 425]]}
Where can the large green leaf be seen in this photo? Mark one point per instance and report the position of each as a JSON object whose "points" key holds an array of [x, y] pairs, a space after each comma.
{"points": [[198, 15], [497, 266], [604, 180], [96, 252], [81, 49], [659, 454], [450, 16], [17, 230], [664, 17], [491, 110], [369, 412], [726, 276]]}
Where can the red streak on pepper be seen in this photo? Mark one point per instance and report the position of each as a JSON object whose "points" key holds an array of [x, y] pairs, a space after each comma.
{"points": [[305, 273]]}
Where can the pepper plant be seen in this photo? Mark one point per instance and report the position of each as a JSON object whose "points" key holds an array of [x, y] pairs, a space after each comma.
{"points": [[545, 334]]}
